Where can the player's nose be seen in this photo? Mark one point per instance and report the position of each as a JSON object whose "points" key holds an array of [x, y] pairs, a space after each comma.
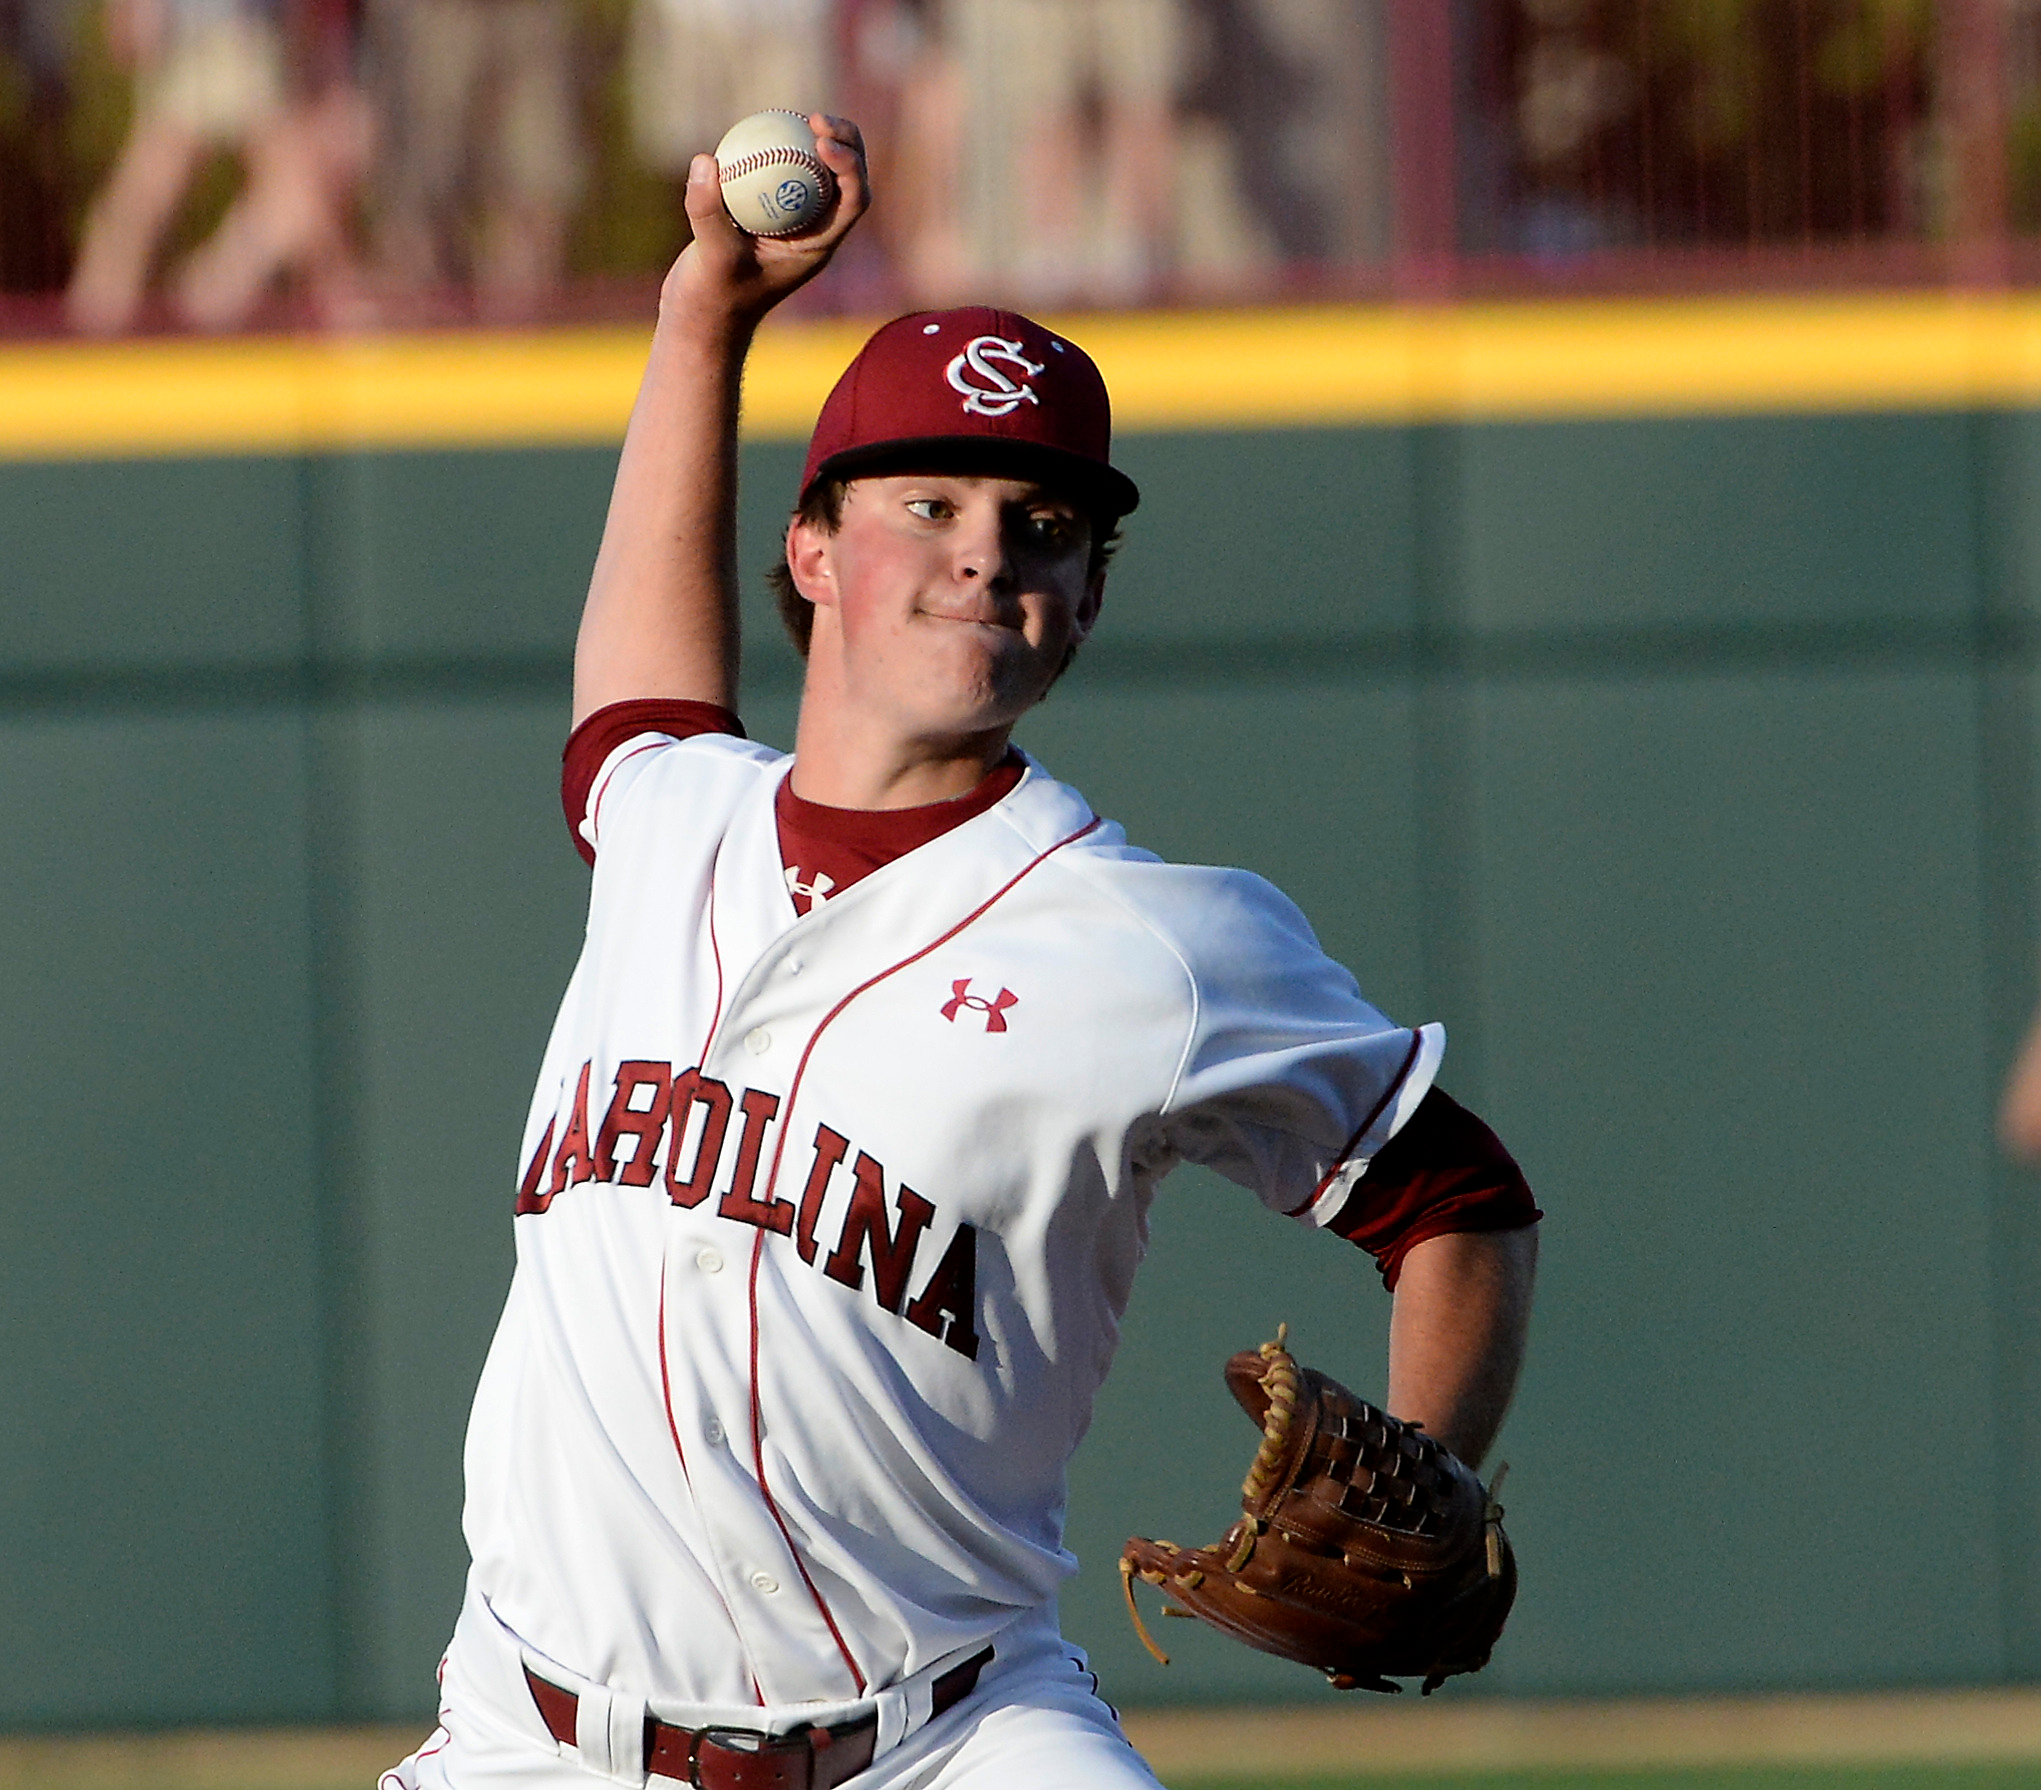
{"points": [[981, 552]]}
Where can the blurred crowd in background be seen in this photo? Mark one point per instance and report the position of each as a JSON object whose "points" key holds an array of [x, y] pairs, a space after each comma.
{"points": [[220, 164]]}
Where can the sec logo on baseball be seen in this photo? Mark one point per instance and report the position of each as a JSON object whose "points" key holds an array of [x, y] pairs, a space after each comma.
{"points": [[773, 182]]}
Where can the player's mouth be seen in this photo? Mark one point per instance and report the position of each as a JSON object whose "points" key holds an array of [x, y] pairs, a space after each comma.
{"points": [[974, 618]]}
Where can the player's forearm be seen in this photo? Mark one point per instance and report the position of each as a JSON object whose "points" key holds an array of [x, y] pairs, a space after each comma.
{"points": [[661, 617], [1456, 1335]]}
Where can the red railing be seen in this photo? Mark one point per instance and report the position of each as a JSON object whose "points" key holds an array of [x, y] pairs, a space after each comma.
{"points": [[1057, 153]]}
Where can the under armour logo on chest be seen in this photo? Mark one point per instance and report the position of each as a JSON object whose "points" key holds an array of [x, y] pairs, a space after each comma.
{"points": [[980, 373], [813, 893], [994, 1009]]}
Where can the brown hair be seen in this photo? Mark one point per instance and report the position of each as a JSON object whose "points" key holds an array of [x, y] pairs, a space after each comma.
{"points": [[822, 508]]}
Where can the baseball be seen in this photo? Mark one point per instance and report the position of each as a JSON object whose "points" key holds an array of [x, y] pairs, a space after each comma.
{"points": [[774, 184]]}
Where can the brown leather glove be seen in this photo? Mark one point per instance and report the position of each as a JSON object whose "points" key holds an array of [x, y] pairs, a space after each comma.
{"points": [[1364, 1549]]}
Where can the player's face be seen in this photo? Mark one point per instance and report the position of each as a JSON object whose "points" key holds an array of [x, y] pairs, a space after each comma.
{"points": [[948, 601]]}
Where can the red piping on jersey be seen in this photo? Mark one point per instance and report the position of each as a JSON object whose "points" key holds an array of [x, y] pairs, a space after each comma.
{"points": [[716, 952], [765, 1491], [772, 1180], [596, 816], [666, 1384], [665, 1378], [673, 1430], [808, 1050], [1374, 1113], [439, 1745], [437, 1741]]}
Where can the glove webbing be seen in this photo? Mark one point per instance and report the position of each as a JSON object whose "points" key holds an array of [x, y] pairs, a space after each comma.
{"points": [[1282, 1383]]}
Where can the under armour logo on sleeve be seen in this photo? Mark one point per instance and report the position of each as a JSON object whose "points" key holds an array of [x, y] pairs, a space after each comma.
{"points": [[994, 1009]]}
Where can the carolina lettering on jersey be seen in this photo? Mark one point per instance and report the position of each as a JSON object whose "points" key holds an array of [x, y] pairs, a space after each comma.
{"points": [[878, 1240]]}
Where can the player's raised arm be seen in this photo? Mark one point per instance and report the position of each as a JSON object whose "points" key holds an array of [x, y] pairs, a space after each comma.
{"points": [[661, 617]]}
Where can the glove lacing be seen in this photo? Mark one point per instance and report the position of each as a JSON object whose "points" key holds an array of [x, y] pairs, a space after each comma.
{"points": [[1283, 1383]]}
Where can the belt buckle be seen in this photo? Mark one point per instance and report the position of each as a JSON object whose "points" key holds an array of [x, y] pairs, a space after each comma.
{"points": [[749, 1741]]}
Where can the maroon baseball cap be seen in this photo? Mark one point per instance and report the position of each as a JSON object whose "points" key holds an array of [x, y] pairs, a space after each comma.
{"points": [[975, 390]]}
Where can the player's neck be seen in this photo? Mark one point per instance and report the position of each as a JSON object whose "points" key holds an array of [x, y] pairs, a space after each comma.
{"points": [[843, 759]]}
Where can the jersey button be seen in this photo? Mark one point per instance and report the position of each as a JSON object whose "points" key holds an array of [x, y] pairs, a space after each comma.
{"points": [[795, 966], [764, 1581], [709, 1262], [758, 1041], [713, 1429]]}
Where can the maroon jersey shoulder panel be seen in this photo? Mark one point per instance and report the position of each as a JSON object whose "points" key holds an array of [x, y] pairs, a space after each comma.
{"points": [[1445, 1171], [590, 744], [825, 850]]}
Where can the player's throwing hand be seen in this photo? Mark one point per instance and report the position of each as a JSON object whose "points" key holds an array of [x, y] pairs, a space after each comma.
{"points": [[726, 270]]}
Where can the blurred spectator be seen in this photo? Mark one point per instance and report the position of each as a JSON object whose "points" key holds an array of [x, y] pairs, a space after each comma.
{"points": [[906, 89], [1282, 142], [697, 66], [210, 74], [35, 46], [207, 73], [294, 212], [1069, 155], [290, 215], [1570, 91], [485, 154]]}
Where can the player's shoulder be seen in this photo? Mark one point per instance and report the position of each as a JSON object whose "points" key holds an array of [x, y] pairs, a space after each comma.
{"points": [[674, 762], [651, 780], [723, 757], [1206, 915]]}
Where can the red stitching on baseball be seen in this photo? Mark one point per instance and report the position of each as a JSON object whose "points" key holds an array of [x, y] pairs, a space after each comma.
{"points": [[782, 155]]}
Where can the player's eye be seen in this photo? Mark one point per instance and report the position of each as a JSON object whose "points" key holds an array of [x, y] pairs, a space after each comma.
{"points": [[930, 509], [1052, 528]]}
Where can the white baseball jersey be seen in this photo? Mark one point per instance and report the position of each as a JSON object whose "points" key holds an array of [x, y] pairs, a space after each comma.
{"points": [[828, 1220]]}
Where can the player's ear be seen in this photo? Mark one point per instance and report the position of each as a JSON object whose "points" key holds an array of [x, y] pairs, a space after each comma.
{"points": [[1089, 606], [810, 563]]}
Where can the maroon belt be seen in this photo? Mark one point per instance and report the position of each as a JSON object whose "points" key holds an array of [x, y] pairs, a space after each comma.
{"points": [[738, 1759]]}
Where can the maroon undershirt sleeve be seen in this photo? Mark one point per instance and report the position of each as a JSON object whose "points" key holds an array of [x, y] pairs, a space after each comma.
{"points": [[1445, 1171], [604, 731]]}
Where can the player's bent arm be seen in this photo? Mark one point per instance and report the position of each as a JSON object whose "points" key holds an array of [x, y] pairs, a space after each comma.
{"points": [[661, 616], [1456, 1334]]}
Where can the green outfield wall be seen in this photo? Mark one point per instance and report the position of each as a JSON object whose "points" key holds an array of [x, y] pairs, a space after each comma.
{"points": [[1684, 769]]}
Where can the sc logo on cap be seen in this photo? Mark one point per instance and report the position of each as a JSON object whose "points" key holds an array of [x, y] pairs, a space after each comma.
{"points": [[988, 390]]}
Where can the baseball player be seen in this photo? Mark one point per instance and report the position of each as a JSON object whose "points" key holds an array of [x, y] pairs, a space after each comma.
{"points": [[839, 1165]]}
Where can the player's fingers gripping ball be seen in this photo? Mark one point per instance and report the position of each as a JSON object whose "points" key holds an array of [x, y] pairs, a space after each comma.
{"points": [[1364, 1548], [774, 184]]}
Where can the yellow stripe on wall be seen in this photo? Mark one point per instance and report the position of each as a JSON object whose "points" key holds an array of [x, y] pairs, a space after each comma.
{"points": [[1311, 366]]}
